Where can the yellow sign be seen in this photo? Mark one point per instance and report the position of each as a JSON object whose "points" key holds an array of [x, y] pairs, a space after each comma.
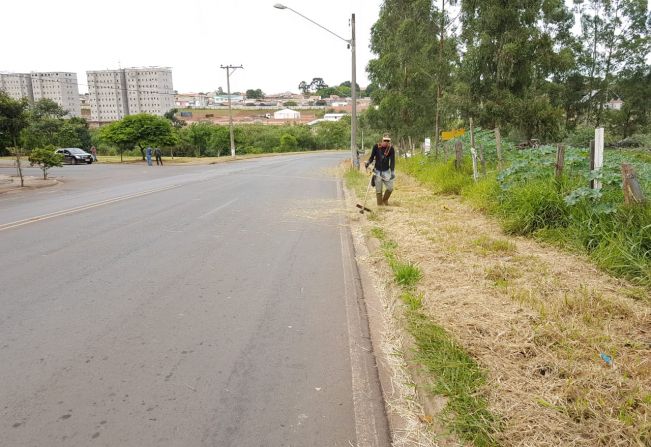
{"points": [[450, 134]]}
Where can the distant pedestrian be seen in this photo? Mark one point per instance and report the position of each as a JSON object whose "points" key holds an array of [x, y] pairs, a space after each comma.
{"points": [[93, 152], [385, 164], [159, 156], [148, 155]]}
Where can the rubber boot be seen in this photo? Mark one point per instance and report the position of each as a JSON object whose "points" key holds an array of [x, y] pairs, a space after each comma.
{"points": [[379, 198], [385, 199]]}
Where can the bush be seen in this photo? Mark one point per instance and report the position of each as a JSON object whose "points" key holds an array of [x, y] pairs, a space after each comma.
{"points": [[45, 158]]}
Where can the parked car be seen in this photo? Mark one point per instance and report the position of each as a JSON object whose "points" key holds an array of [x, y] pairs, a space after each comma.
{"points": [[74, 155]]}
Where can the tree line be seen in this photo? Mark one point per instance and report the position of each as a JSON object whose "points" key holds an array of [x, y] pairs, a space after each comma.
{"points": [[541, 68]]}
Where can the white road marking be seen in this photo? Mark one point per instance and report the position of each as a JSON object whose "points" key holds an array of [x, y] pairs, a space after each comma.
{"points": [[213, 211], [77, 209]]}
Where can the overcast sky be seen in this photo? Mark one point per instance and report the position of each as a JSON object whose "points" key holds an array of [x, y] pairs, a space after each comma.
{"points": [[277, 48]]}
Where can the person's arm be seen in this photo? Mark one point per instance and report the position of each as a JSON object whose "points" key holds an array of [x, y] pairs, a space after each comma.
{"points": [[370, 160]]}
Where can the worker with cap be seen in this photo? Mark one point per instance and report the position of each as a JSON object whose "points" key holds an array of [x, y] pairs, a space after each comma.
{"points": [[385, 168]]}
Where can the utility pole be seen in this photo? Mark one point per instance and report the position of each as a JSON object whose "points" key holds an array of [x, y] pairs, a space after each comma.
{"points": [[230, 69], [353, 115]]}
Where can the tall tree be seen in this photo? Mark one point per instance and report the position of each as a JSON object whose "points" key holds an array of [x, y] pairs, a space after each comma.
{"points": [[616, 34], [511, 52]]}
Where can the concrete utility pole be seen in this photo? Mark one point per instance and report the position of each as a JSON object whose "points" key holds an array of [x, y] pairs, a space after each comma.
{"points": [[230, 69], [353, 115]]}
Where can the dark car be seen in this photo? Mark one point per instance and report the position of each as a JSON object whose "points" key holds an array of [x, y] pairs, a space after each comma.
{"points": [[74, 155]]}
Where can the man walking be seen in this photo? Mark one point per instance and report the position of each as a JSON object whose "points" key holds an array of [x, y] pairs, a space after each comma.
{"points": [[148, 155], [385, 165], [93, 152], [159, 156]]}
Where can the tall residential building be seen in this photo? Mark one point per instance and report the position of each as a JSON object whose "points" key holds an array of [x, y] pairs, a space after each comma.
{"points": [[17, 85], [60, 87], [115, 94], [108, 95]]}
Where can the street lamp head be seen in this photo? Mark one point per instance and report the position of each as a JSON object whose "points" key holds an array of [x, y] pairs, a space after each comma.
{"points": [[280, 6]]}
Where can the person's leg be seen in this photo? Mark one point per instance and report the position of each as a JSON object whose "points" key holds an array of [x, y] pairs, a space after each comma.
{"points": [[389, 189], [378, 189]]}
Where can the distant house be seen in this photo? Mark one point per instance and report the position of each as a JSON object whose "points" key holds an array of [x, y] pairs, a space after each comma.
{"points": [[333, 116], [287, 114], [614, 104]]}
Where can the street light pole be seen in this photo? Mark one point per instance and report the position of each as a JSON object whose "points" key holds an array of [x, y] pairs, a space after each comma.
{"points": [[353, 81], [230, 109], [353, 114]]}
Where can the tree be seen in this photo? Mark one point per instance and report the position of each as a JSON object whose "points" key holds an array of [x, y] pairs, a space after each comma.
{"points": [[616, 34], [197, 136], [47, 108], [13, 119], [290, 104], [45, 158], [140, 130], [304, 87], [171, 116], [511, 52], [255, 94]]}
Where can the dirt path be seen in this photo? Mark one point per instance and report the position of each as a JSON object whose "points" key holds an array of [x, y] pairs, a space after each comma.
{"points": [[536, 318]]}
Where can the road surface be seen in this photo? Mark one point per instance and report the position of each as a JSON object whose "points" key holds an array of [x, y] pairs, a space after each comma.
{"points": [[184, 306]]}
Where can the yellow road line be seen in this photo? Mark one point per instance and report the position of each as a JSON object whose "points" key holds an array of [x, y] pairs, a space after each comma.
{"points": [[77, 209]]}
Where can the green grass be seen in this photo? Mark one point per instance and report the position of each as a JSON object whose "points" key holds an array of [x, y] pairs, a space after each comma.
{"points": [[454, 372], [533, 203], [356, 181], [405, 274], [488, 245]]}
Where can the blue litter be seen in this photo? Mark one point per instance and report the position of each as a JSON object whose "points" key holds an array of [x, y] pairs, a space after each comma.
{"points": [[606, 358]]}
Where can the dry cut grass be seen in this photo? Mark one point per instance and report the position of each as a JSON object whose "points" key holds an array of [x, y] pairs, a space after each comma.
{"points": [[566, 347]]}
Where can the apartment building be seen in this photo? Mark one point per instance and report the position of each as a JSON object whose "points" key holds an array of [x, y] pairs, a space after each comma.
{"points": [[60, 87], [107, 90], [17, 85], [115, 94]]}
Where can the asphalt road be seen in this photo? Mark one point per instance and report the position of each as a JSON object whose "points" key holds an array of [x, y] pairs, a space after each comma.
{"points": [[184, 306]]}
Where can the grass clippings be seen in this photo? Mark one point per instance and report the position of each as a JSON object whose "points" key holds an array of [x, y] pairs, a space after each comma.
{"points": [[537, 320]]}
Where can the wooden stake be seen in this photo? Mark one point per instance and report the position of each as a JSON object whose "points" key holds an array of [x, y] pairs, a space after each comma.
{"points": [[633, 194], [458, 150], [483, 159], [498, 145], [472, 135], [560, 160]]}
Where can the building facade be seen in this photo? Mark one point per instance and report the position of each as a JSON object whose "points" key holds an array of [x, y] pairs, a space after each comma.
{"points": [[60, 87], [17, 85], [115, 94]]}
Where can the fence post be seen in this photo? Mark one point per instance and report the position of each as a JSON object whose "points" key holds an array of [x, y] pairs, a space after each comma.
{"points": [[560, 160], [498, 145], [458, 151], [483, 160], [633, 194], [472, 135], [597, 155]]}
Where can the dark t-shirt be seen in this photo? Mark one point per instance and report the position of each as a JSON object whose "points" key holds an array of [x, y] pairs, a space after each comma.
{"points": [[385, 159]]}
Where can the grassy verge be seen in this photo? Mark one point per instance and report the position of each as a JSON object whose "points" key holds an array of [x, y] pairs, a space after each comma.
{"points": [[528, 200], [455, 374]]}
